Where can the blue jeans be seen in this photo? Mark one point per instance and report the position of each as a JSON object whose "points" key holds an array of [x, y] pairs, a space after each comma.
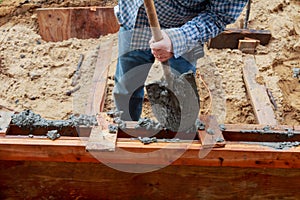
{"points": [[132, 70]]}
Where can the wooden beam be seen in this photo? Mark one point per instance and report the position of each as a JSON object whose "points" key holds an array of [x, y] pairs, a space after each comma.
{"points": [[259, 98], [24, 180], [229, 38], [72, 149], [261, 133], [57, 24], [248, 46], [101, 140], [95, 102], [208, 140], [212, 135], [130, 131], [64, 131]]}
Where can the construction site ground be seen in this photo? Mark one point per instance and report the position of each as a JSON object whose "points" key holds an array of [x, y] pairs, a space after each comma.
{"points": [[35, 74]]}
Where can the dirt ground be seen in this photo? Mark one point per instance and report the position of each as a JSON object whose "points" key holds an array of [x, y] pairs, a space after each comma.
{"points": [[35, 74]]}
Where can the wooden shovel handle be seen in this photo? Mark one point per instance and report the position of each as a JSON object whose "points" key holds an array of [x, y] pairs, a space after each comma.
{"points": [[153, 20], [157, 35]]}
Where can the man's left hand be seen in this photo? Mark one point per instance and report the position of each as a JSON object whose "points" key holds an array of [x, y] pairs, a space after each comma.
{"points": [[162, 50]]}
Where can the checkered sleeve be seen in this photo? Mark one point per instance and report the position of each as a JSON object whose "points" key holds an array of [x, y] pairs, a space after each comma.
{"points": [[206, 25]]}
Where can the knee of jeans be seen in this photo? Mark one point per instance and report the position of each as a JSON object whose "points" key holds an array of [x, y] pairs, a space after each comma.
{"points": [[180, 65]]}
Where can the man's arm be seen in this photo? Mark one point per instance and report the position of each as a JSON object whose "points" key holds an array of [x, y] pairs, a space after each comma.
{"points": [[208, 24]]}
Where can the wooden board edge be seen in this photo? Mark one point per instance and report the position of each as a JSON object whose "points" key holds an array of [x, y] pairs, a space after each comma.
{"points": [[257, 93], [212, 136], [98, 90]]}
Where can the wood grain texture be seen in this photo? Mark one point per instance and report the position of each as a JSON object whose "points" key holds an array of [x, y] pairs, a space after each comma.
{"points": [[256, 133], [101, 140], [248, 46], [153, 20], [51, 180], [95, 102], [57, 24], [229, 38], [54, 24], [72, 149], [259, 98], [212, 135]]}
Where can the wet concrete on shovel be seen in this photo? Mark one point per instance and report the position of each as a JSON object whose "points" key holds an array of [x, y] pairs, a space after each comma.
{"points": [[175, 108]]}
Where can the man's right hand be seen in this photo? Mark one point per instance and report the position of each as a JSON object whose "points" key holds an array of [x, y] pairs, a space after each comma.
{"points": [[163, 49]]}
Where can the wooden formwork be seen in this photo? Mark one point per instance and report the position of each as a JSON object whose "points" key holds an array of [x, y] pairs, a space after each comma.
{"points": [[57, 24], [239, 160]]}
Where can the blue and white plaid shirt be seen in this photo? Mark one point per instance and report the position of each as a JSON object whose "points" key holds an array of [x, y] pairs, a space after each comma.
{"points": [[188, 23]]}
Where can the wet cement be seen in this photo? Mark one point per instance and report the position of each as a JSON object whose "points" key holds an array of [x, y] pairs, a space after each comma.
{"points": [[200, 125], [285, 145], [296, 72], [112, 128], [175, 108], [288, 133], [29, 119], [277, 145], [53, 135], [149, 124], [116, 115], [147, 140]]}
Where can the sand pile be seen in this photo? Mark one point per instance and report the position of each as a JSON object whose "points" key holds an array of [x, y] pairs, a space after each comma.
{"points": [[36, 75]]}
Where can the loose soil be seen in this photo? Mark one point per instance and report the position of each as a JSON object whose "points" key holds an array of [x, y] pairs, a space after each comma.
{"points": [[35, 74]]}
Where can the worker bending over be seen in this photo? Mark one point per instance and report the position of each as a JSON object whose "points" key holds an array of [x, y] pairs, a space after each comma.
{"points": [[186, 26]]}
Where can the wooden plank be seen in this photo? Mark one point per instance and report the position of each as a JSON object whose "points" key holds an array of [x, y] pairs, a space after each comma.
{"points": [[101, 140], [57, 24], [64, 131], [261, 133], [259, 98], [23, 180], [54, 26], [248, 46], [5, 118], [131, 132], [212, 135], [229, 38], [96, 98], [93, 22], [66, 149]]}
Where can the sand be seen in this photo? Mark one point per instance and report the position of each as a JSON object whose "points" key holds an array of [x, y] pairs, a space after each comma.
{"points": [[35, 74], [275, 62]]}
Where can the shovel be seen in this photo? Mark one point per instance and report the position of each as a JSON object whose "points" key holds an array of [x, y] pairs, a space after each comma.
{"points": [[174, 99]]}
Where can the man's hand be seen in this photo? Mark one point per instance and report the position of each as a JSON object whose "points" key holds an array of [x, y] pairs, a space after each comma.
{"points": [[162, 50]]}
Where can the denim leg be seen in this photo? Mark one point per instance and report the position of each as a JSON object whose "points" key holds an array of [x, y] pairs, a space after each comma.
{"points": [[181, 65], [131, 73], [186, 62]]}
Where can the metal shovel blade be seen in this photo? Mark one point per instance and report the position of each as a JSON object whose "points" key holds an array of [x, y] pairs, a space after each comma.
{"points": [[175, 108]]}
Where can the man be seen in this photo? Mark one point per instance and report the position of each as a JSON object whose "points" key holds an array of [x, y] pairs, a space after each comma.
{"points": [[186, 24]]}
